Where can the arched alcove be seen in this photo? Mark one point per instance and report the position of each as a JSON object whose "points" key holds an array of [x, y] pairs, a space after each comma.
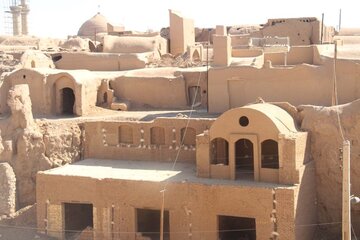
{"points": [[188, 136], [219, 151], [269, 154], [125, 134], [157, 136]]}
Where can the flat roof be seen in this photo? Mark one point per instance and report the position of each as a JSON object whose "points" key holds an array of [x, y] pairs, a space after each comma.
{"points": [[146, 171]]}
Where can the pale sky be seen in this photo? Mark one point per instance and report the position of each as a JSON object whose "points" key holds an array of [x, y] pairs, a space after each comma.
{"points": [[50, 18]]}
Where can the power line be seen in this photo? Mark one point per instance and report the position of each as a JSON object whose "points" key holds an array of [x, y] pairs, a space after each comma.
{"points": [[174, 232]]}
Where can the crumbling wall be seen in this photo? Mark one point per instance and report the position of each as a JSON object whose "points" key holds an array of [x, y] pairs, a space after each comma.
{"points": [[30, 147], [322, 123], [134, 44], [75, 43], [36, 85], [36, 59], [7, 190]]}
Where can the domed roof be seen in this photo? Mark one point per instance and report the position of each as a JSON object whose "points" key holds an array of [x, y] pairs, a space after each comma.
{"points": [[96, 24]]}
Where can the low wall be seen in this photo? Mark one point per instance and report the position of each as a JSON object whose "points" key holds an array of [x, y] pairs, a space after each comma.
{"points": [[246, 52], [296, 55], [100, 61], [104, 139]]}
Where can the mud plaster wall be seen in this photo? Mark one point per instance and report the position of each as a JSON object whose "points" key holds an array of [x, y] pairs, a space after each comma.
{"points": [[102, 61], [8, 189], [300, 33], [182, 33], [4, 89], [142, 88], [210, 202], [37, 87], [30, 147], [159, 92], [36, 59], [44, 90], [196, 78], [306, 203], [296, 55], [135, 44], [302, 84], [103, 140], [325, 142]]}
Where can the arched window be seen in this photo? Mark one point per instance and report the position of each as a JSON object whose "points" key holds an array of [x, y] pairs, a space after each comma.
{"points": [[157, 136], [269, 154], [125, 134], [188, 136], [219, 148]]}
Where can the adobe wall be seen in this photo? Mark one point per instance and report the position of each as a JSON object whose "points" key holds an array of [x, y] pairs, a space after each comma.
{"points": [[104, 141], [301, 84], [182, 33], [222, 199], [156, 92], [296, 55], [37, 87], [306, 214], [246, 52], [197, 77], [301, 31], [4, 89], [135, 44], [101, 61], [141, 88], [326, 140], [44, 86], [36, 59], [29, 146]]}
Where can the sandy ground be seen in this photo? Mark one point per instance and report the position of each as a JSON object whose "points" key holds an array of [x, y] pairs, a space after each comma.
{"points": [[21, 233]]}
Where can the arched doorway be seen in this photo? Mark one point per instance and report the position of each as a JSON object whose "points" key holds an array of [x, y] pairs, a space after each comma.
{"points": [[196, 56], [68, 101], [244, 159], [105, 98]]}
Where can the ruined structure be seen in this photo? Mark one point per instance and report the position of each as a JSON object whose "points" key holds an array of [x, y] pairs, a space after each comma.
{"points": [[237, 139]]}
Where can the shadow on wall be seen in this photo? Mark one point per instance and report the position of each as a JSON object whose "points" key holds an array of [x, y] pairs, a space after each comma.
{"points": [[180, 114], [306, 212]]}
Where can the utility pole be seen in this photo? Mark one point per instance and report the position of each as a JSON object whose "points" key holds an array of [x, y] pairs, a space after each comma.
{"points": [[346, 217], [207, 72], [339, 20], [334, 100], [322, 28], [162, 215]]}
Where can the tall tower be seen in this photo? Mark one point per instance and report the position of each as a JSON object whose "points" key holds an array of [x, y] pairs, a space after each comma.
{"points": [[19, 11], [15, 12], [24, 17]]}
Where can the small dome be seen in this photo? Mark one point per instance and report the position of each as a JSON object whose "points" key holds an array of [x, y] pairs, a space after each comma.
{"points": [[96, 24]]}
